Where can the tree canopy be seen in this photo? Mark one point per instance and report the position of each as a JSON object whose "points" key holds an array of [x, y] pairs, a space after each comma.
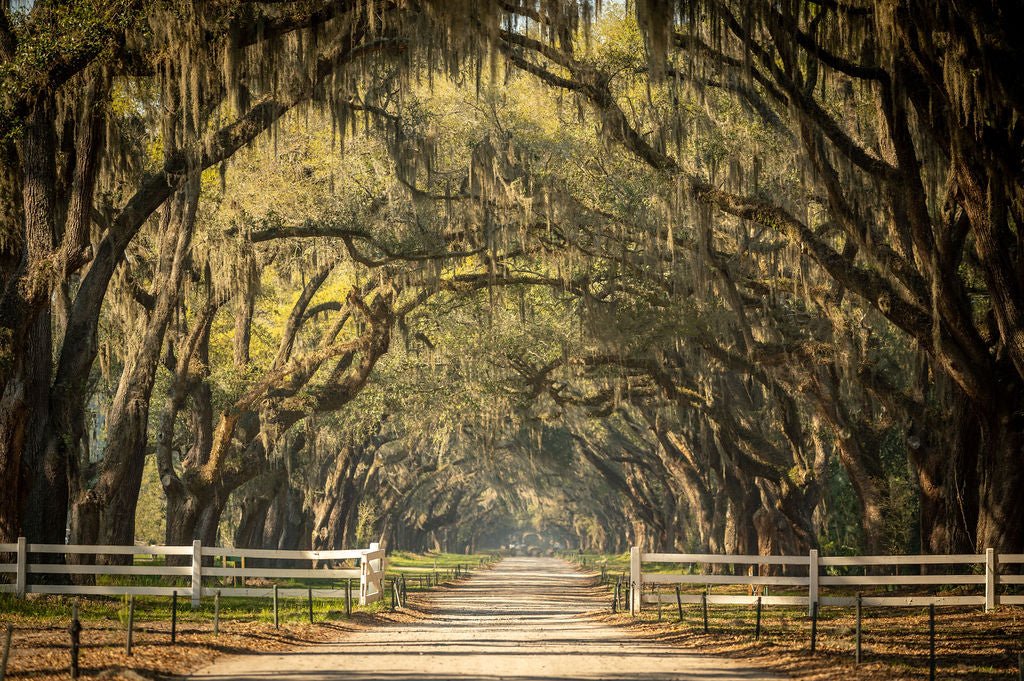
{"points": [[719, 275]]}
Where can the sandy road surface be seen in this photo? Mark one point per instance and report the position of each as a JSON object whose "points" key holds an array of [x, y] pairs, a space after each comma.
{"points": [[517, 621]]}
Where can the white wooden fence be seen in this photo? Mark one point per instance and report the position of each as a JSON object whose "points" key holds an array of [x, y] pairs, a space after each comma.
{"points": [[983, 570], [370, 570]]}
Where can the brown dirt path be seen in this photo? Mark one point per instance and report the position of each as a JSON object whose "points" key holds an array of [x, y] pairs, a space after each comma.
{"points": [[524, 619]]}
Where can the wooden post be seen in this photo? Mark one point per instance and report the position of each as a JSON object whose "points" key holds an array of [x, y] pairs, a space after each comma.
{"points": [[931, 642], [7, 650], [679, 603], [757, 627], [216, 612], [615, 595], [174, 616], [197, 573], [374, 546], [75, 630], [310, 597], [348, 597], [812, 581], [635, 581], [364, 577], [859, 613], [131, 625], [991, 577], [704, 607], [276, 621], [21, 575], [814, 626]]}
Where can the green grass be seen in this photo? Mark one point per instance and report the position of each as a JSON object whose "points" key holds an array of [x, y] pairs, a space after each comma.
{"points": [[418, 567], [614, 563], [618, 564], [47, 608], [442, 561]]}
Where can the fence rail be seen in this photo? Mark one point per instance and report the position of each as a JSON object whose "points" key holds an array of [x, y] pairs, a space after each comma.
{"points": [[820, 577], [79, 559]]}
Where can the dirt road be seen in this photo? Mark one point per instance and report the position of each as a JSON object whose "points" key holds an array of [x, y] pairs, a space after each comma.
{"points": [[517, 621]]}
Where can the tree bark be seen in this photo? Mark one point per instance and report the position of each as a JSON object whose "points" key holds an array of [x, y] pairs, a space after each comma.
{"points": [[114, 496]]}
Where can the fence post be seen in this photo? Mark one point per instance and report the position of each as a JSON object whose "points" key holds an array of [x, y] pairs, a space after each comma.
{"points": [[197, 572], [812, 581], [21, 577], [991, 572], [860, 603], [635, 580], [76, 632], [757, 627], [216, 612], [8, 631], [814, 626], [277, 622], [131, 626], [364, 575], [931, 642]]}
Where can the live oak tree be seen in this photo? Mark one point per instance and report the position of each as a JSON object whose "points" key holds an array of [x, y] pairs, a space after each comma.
{"points": [[736, 266], [210, 78], [896, 149]]}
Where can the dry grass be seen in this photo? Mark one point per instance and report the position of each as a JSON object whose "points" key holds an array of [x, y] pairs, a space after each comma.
{"points": [[41, 649], [41, 642], [970, 644]]}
